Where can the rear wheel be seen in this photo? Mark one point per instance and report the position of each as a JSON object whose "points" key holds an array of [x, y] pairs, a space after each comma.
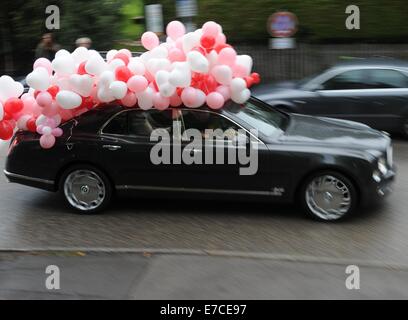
{"points": [[328, 196], [86, 189]]}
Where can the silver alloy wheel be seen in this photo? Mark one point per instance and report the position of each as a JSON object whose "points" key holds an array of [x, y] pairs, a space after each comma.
{"points": [[328, 197], [84, 190]]}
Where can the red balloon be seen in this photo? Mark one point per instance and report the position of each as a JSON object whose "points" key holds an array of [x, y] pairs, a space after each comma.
{"points": [[122, 73], [53, 90], [207, 42], [87, 102], [7, 116], [179, 91], [6, 130], [122, 56], [31, 126], [249, 81], [256, 77], [81, 68], [13, 105]]}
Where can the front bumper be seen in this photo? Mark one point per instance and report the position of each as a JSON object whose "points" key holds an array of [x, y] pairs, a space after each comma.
{"points": [[379, 190]]}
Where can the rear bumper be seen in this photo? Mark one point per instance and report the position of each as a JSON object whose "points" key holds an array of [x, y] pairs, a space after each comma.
{"points": [[30, 181]]}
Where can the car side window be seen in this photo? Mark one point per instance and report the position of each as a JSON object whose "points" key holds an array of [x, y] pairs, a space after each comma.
{"points": [[117, 125], [348, 80], [143, 123], [204, 120], [387, 79]]}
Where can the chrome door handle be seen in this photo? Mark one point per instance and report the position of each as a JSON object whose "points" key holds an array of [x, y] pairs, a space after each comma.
{"points": [[111, 147]]}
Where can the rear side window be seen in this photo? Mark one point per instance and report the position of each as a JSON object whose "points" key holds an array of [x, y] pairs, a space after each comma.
{"points": [[142, 123], [117, 125], [355, 79], [387, 79]]}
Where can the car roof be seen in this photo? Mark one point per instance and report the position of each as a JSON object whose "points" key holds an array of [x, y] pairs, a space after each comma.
{"points": [[371, 62]]}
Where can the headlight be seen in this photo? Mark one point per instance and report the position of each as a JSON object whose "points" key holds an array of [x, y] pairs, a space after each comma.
{"points": [[382, 166]]}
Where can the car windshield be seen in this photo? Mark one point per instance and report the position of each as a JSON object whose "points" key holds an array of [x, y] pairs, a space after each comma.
{"points": [[264, 118]]}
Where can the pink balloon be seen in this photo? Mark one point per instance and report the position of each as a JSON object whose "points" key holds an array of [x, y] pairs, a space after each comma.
{"points": [[175, 30], [227, 56], [221, 39], [40, 129], [160, 102], [137, 83], [57, 132], [47, 141], [36, 110], [189, 96], [176, 54], [51, 110], [126, 51], [44, 99], [45, 63], [210, 29], [225, 91], [129, 100], [179, 44], [175, 100], [215, 100], [239, 71], [150, 40]]}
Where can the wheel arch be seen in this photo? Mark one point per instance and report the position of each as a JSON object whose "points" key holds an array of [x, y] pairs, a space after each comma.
{"points": [[334, 168]]}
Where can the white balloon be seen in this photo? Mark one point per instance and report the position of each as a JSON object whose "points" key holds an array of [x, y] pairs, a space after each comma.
{"points": [[246, 61], [198, 63], [190, 40], [111, 54], [106, 78], [181, 75], [80, 55], [118, 89], [159, 52], [68, 99], [241, 97], [237, 85], [64, 64], [222, 73], [40, 120], [154, 65], [22, 121], [201, 97], [81, 84], [162, 77], [145, 99], [39, 79], [10, 88], [104, 95], [1, 111], [113, 64], [95, 65], [136, 66], [62, 53], [167, 90]]}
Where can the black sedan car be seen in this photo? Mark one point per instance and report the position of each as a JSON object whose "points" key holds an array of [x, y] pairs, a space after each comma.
{"points": [[330, 166], [372, 91]]}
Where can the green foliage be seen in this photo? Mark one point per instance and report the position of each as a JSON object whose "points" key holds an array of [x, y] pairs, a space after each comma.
{"points": [[319, 20], [131, 9]]}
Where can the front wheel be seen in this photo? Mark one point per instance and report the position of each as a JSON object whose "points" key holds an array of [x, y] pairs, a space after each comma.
{"points": [[328, 196], [86, 189]]}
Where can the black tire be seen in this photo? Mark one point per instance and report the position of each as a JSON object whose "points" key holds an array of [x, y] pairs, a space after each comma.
{"points": [[98, 184], [345, 187]]}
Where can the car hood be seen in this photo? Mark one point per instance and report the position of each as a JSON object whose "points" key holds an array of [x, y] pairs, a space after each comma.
{"points": [[281, 90], [334, 132]]}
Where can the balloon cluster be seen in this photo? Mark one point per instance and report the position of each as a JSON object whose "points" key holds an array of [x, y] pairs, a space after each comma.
{"points": [[193, 69]]}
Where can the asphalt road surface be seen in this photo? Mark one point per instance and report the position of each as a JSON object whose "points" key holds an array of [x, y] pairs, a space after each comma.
{"points": [[32, 219]]}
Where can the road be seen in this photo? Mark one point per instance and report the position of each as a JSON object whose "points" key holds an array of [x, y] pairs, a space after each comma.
{"points": [[33, 220]]}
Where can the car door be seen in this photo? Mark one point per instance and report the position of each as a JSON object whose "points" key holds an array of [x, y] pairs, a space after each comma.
{"points": [[341, 96], [387, 97], [221, 136], [127, 149]]}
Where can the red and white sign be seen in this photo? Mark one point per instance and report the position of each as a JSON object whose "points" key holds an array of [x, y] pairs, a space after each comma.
{"points": [[282, 24]]}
